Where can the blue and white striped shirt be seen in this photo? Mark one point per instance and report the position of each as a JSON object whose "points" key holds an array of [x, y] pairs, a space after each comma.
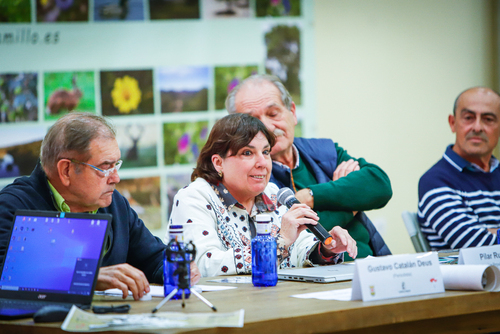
{"points": [[458, 202]]}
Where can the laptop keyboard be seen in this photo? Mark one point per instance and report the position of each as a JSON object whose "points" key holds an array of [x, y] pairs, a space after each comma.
{"points": [[21, 304]]}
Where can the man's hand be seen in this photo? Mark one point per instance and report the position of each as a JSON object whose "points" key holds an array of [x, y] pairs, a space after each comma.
{"points": [[195, 273], [304, 197], [345, 168], [493, 230], [124, 277], [342, 242]]}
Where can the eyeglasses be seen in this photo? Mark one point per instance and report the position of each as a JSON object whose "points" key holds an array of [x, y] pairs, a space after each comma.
{"points": [[104, 172]]}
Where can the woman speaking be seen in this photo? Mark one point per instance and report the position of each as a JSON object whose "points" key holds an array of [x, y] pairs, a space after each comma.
{"points": [[230, 187]]}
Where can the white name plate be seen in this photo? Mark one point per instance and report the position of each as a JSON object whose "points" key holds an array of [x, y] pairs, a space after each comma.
{"points": [[396, 276], [480, 255]]}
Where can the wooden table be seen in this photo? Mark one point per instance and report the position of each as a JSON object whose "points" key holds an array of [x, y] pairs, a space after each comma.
{"points": [[271, 310]]}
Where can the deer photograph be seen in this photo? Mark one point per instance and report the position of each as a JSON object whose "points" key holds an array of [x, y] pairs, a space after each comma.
{"points": [[138, 143]]}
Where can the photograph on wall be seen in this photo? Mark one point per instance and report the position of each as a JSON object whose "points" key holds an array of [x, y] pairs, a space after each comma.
{"points": [[15, 11], [174, 9], [226, 78], [18, 97], [20, 150], [68, 91], [138, 143], [127, 92], [118, 10], [62, 10], [182, 142], [174, 184], [277, 8], [143, 194], [215, 9], [283, 57], [183, 88]]}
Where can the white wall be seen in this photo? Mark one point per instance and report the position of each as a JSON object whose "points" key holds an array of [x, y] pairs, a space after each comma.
{"points": [[387, 73]]}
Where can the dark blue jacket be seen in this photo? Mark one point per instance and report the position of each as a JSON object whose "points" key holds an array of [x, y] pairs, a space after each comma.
{"points": [[321, 155], [129, 240]]}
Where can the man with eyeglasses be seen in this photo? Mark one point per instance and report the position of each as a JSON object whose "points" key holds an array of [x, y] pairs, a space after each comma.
{"points": [[78, 167]]}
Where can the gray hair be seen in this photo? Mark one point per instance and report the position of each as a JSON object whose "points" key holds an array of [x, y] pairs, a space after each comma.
{"points": [[286, 98], [71, 135]]}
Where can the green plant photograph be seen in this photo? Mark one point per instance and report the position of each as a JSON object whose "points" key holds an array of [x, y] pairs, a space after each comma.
{"points": [[15, 11], [283, 57], [182, 142], [226, 78]]}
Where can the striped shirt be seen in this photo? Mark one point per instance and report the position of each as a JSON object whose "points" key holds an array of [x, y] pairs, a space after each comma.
{"points": [[458, 202]]}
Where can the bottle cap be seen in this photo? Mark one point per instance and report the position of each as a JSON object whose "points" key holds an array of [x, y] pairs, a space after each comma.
{"points": [[176, 232], [263, 218]]}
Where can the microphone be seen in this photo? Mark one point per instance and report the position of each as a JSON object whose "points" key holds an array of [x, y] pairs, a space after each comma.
{"points": [[287, 197]]}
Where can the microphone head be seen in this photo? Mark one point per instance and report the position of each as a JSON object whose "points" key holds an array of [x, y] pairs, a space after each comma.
{"points": [[284, 195]]}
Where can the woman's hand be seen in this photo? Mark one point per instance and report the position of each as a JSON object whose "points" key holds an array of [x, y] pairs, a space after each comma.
{"points": [[342, 242], [195, 274], [294, 220]]}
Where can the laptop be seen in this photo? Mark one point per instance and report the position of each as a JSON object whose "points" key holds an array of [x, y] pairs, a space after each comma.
{"points": [[319, 274], [53, 258]]}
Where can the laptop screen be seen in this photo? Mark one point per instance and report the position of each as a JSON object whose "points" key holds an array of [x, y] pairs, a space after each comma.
{"points": [[53, 252]]}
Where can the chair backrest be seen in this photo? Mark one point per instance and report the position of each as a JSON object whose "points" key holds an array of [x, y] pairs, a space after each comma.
{"points": [[417, 237]]}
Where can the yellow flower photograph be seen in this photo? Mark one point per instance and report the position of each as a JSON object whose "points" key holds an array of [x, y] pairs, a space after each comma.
{"points": [[126, 94]]}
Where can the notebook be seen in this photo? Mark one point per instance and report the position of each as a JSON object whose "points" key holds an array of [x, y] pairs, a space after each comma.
{"points": [[319, 274], [53, 258]]}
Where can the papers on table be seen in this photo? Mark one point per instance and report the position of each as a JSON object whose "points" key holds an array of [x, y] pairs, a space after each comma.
{"points": [[451, 259], [207, 288], [455, 277], [78, 320], [233, 279], [119, 293], [157, 291], [341, 294]]}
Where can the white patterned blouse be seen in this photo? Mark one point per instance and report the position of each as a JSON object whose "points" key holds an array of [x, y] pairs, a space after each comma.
{"points": [[221, 229]]}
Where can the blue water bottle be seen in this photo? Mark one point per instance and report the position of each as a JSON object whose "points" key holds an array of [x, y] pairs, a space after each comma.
{"points": [[171, 263], [264, 262]]}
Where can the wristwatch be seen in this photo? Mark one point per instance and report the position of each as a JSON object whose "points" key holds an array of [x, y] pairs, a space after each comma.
{"points": [[311, 192]]}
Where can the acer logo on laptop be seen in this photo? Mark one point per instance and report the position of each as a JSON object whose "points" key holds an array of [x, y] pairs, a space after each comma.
{"points": [[42, 296]]}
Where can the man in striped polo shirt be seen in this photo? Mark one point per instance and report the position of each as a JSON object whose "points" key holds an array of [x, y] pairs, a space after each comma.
{"points": [[459, 197]]}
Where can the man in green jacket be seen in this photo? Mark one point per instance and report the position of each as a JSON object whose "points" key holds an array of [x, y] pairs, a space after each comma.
{"points": [[322, 174]]}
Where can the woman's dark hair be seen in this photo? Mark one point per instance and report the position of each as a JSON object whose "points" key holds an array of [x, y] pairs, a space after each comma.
{"points": [[230, 133]]}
